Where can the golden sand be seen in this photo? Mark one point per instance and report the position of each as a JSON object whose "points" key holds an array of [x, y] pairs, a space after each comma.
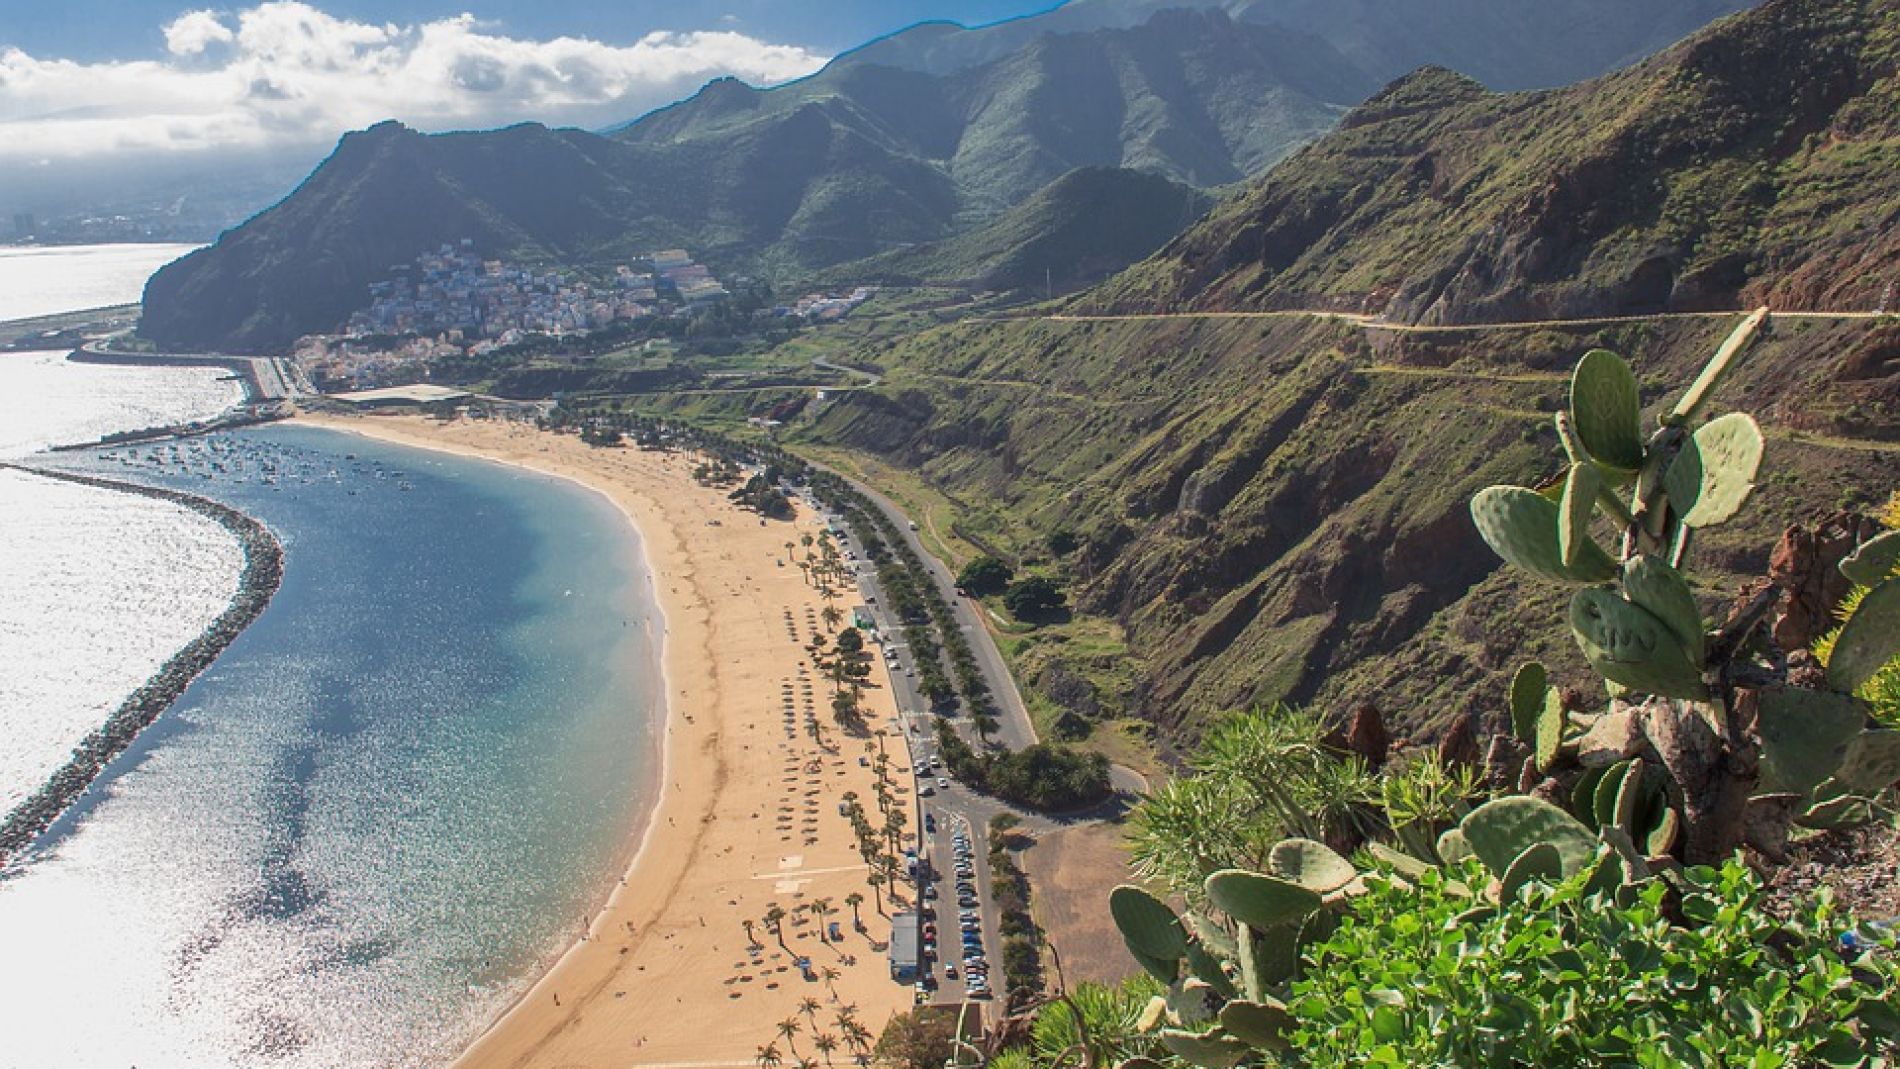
{"points": [[749, 814]]}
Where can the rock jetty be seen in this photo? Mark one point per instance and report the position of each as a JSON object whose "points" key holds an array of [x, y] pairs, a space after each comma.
{"points": [[263, 572]]}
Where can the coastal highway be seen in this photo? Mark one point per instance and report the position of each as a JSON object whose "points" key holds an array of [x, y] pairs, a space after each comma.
{"points": [[943, 803], [1015, 730]]}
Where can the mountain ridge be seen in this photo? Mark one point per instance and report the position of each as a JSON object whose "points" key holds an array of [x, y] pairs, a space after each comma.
{"points": [[856, 160], [1706, 177], [1275, 509]]}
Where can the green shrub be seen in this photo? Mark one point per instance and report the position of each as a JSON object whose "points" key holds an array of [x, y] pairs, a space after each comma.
{"points": [[985, 575], [1416, 976]]}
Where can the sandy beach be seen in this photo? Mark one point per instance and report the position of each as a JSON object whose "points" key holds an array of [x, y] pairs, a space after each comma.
{"points": [[750, 812]]}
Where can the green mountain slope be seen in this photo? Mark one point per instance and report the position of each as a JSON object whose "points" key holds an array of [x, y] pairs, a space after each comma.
{"points": [[851, 162], [1758, 162], [1506, 44], [863, 157], [1275, 508], [1056, 238]]}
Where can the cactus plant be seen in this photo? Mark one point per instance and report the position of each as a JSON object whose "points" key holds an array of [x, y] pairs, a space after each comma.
{"points": [[1539, 861], [1627, 644], [1313, 865], [1527, 700], [1874, 560], [1606, 409], [1521, 526], [1869, 639], [1645, 635], [1147, 925], [1503, 828], [1715, 471]]}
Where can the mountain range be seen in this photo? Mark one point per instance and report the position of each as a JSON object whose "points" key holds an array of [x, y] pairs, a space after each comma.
{"points": [[913, 139], [1274, 508]]}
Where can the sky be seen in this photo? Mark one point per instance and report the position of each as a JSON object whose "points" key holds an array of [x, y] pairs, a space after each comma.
{"points": [[99, 79]]}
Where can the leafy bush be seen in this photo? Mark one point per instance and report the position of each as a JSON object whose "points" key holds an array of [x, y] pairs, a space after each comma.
{"points": [[1040, 776], [985, 575], [1560, 977], [1031, 598]]}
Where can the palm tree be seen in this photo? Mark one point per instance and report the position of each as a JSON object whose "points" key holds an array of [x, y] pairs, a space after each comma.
{"points": [[832, 616], [826, 1043], [775, 919], [787, 1029], [819, 908], [804, 1063], [854, 1032], [749, 940], [854, 900], [876, 880], [809, 1007], [831, 980], [769, 1057]]}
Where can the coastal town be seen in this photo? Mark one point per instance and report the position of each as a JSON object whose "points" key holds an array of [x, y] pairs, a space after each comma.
{"points": [[456, 303]]}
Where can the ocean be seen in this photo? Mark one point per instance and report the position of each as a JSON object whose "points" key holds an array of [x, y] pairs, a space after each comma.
{"points": [[37, 280], [358, 836]]}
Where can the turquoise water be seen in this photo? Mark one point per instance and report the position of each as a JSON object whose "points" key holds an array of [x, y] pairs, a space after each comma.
{"points": [[354, 839]]}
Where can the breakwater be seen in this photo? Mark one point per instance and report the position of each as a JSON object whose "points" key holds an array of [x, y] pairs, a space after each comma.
{"points": [[263, 572], [263, 377]]}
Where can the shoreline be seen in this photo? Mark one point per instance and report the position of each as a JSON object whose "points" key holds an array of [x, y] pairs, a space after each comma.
{"points": [[258, 581], [726, 605]]}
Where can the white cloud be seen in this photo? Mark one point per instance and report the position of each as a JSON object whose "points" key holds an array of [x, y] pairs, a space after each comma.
{"points": [[195, 31], [286, 73]]}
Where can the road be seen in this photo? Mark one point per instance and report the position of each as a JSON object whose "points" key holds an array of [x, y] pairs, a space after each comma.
{"points": [[1370, 322], [943, 805], [1015, 730]]}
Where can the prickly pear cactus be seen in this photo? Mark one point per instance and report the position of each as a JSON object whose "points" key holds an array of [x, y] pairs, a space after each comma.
{"points": [[1606, 408], [1521, 525], [1713, 475], [1627, 644]]}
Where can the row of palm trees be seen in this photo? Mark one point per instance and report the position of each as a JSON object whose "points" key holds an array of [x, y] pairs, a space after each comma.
{"points": [[851, 1034]]}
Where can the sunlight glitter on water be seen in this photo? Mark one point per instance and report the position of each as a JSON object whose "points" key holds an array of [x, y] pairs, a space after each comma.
{"points": [[99, 589], [45, 279]]}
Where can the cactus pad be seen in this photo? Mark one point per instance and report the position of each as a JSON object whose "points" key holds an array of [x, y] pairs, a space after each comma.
{"points": [[1649, 582], [1398, 860], [1313, 865], [1520, 525], [1869, 639], [1606, 407], [1627, 644], [1872, 763], [1575, 511], [1804, 735], [1550, 729], [1453, 847], [1662, 838], [1147, 924], [1603, 798], [1207, 967], [1263, 1024], [1503, 828], [1527, 700], [1877, 558], [1713, 475], [1539, 861], [1632, 800], [1260, 900], [1215, 1050]]}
